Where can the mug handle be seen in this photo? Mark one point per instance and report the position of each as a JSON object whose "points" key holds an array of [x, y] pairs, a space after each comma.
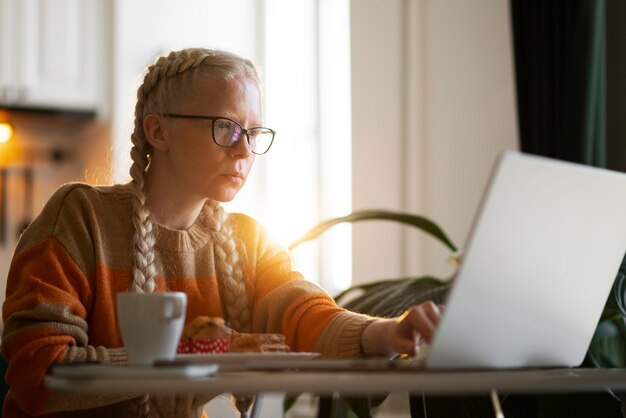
{"points": [[171, 308]]}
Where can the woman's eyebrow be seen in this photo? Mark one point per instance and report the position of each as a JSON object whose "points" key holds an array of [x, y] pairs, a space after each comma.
{"points": [[230, 115], [233, 116]]}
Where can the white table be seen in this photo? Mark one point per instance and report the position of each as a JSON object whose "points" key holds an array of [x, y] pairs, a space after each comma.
{"points": [[361, 382]]}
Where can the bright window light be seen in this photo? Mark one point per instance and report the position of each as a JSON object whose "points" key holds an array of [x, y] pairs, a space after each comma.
{"points": [[306, 176], [335, 141]]}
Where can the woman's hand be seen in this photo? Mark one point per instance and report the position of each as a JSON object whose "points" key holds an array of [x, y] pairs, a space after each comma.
{"points": [[400, 335]]}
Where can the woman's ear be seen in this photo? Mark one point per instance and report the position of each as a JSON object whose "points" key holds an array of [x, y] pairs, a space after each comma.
{"points": [[154, 128]]}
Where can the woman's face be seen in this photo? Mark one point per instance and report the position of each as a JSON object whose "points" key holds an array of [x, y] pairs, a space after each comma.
{"points": [[199, 166]]}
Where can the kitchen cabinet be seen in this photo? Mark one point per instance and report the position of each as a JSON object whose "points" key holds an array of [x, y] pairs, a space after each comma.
{"points": [[51, 54]]}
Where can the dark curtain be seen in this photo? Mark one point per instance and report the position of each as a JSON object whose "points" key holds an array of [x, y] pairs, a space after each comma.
{"points": [[560, 63]]}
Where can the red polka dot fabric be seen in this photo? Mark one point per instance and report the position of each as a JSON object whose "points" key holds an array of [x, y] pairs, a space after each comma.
{"points": [[218, 345]]}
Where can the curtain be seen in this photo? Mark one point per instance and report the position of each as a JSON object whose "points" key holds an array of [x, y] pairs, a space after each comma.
{"points": [[560, 63]]}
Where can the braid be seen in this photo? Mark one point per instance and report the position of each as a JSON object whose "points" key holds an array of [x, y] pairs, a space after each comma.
{"points": [[230, 265], [144, 269]]}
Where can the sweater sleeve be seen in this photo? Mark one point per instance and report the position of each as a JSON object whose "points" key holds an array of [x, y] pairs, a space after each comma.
{"points": [[306, 314], [45, 312]]}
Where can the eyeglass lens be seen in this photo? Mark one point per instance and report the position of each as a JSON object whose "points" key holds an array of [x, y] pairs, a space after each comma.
{"points": [[226, 133]]}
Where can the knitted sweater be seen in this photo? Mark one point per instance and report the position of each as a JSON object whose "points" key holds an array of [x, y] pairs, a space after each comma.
{"points": [[76, 255]]}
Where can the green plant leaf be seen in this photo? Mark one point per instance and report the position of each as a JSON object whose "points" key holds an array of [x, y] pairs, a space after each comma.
{"points": [[392, 297], [419, 222], [618, 295], [608, 345], [364, 287], [289, 401]]}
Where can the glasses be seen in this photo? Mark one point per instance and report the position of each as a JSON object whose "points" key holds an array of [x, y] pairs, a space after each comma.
{"points": [[226, 132]]}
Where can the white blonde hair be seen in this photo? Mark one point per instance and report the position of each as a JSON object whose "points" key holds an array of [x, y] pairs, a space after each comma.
{"points": [[169, 80]]}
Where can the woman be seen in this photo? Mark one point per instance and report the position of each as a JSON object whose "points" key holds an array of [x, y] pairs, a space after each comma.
{"points": [[198, 129]]}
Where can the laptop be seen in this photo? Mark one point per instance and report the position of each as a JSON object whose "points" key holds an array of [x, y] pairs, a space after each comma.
{"points": [[538, 266]]}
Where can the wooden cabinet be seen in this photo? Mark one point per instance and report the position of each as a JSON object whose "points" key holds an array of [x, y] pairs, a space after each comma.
{"points": [[51, 54]]}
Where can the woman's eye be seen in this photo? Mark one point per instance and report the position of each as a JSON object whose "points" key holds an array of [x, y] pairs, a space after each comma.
{"points": [[223, 124]]}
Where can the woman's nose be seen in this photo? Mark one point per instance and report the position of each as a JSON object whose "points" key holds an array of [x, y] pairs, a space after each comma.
{"points": [[242, 149]]}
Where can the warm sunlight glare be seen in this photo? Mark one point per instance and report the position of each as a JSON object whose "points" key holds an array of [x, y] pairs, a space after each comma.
{"points": [[6, 132]]}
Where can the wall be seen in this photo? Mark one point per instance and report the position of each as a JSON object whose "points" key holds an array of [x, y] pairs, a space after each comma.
{"points": [[433, 104]]}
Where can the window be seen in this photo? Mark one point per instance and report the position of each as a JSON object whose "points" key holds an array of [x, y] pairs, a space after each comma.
{"points": [[306, 176]]}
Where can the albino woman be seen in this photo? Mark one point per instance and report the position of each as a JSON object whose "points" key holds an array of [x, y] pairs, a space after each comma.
{"points": [[198, 128]]}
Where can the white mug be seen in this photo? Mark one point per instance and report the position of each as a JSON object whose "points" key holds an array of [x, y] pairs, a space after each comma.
{"points": [[151, 325]]}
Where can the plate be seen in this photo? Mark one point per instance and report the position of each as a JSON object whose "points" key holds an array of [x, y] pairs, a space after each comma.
{"points": [[242, 358], [171, 370]]}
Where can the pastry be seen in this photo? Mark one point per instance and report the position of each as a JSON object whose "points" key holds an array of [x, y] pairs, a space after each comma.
{"points": [[258, 343], [206, 328]]}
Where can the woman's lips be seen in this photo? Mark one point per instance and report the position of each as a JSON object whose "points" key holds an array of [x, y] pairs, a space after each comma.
{"points": [[235, 177]]}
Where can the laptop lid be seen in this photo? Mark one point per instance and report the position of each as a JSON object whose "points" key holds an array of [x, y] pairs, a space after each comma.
{"points": [[538, 266]]}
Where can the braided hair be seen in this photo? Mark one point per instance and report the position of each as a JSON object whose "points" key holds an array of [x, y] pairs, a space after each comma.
{"points": [[168, 80]]}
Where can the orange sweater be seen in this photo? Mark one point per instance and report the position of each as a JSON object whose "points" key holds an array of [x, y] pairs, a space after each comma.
{"points": [[74, 258]]}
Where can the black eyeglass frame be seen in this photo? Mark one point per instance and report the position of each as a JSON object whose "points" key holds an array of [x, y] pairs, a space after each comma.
{"points": [[214, 118]]}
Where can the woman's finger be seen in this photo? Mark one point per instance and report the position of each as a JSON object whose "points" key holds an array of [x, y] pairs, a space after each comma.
{"points": [[432, 311], [419, 320]]}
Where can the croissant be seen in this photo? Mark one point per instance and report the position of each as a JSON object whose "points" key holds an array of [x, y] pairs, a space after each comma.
{"points": [[260, 343], [206, 328]]}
